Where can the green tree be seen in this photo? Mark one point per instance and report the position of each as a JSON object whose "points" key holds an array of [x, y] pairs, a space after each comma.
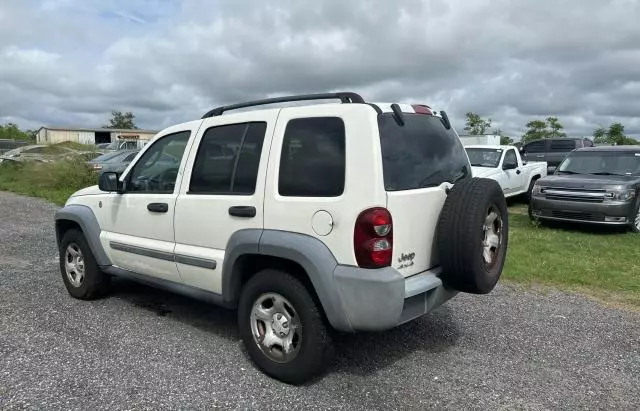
{"points": [[12, 132], [122, 120], [555, 128], [476, 125], [613, 135], [536, 130], [504, 140], [539, 129]]}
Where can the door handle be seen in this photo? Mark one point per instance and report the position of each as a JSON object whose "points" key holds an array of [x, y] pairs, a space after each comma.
{"points": [[242, 211], [540, 156], [158, 207]]}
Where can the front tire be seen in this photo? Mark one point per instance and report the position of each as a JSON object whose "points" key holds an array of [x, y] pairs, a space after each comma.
{"points": [[635, 224], [282, 328], [81, 275]]}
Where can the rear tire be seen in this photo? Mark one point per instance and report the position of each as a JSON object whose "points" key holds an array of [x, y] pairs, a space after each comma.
{"points": [[80, 273], [473, 235], [277, 310]]}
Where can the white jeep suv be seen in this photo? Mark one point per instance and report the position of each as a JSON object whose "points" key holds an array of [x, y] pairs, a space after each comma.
{"points": [[308, 219]]}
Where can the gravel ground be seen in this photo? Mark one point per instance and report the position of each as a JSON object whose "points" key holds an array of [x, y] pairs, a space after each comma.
{"points": [[146, 349]]}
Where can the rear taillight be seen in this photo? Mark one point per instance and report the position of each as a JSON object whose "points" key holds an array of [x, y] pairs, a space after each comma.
{"points": [[373, 238]]}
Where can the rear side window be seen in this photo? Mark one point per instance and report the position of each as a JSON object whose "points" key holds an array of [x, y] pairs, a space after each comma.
{"points": [[539, 146], [228, 159], [312, 163], [421, 153], [562, 145]]}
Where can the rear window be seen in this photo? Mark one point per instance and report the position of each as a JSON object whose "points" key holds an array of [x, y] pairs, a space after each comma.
{"points": [[421, 153]]}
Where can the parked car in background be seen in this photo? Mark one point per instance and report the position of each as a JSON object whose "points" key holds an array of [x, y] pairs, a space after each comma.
{"points": [[552, 150], [124, 144], [41, 153], [9, 144], [116, 161], [597, 185], [504, 164]]}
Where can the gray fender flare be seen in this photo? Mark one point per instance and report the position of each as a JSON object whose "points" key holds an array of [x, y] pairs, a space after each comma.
{"points": [[86, 219], [310, 253]]}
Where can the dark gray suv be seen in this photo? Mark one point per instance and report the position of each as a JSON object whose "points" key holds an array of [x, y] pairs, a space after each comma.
{"points": [[598, 185]]}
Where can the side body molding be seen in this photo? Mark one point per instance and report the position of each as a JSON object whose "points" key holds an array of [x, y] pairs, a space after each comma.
{"points": [[310, 253], [86, 219]]}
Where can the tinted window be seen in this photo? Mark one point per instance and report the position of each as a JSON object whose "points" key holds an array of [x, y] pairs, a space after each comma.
{"points": [[157, 169], [539, 146], [562, 145], [313, 158], [624, 163], [510, 158], [421, 153], [228, 159]]}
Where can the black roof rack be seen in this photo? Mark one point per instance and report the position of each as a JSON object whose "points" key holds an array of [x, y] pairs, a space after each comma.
{"points": [[344, 97]]}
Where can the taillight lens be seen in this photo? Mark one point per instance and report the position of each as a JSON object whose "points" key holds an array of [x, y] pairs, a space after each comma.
{"points": [[373, 238]]}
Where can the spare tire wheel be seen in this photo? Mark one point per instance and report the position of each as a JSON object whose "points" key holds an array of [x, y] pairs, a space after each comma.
{"points": [[473, 235]]}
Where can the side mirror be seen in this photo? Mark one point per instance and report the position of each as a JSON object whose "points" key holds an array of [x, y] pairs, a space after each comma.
{"points": [[108, 181]]}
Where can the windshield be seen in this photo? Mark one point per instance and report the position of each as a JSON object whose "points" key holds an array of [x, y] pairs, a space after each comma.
{"points": [[623, 163], [421, 153], [107, 157], [484, 157]]}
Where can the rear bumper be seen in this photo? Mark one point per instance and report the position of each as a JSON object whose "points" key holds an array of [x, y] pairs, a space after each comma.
{"points": [[612, 213], [375, 300]]}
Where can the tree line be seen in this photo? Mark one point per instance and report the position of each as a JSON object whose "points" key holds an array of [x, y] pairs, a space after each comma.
{"points": [[549, 127], [118, 120]]}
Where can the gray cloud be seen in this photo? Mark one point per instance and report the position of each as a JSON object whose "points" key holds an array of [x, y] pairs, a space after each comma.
{"points": [[72, 61]]}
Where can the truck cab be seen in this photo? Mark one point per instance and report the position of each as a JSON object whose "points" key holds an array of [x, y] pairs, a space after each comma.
{"points": [[504, 164]]}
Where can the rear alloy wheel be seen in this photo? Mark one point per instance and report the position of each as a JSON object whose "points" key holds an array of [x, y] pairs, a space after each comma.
{"points": [[473, 235], [282, 327]]}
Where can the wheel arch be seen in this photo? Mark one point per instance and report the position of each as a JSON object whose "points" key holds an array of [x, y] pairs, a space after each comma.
{"points": [[249, 251], [81, 217]]}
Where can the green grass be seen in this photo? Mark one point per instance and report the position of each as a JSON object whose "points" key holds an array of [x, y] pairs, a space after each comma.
{"points": [[52, 181], [603, 263]]}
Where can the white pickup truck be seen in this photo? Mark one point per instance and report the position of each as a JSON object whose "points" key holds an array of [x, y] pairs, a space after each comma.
{"points": [[504, 164]]}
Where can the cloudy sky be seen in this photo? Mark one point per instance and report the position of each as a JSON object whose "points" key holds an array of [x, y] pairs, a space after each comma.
{"points": [[70, 62]]}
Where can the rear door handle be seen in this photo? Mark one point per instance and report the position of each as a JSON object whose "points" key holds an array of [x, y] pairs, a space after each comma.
{"points": [[242, 211], [158, 207]]}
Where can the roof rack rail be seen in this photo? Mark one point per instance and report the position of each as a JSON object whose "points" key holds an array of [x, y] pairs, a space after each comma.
{"points": [[343, 96]]}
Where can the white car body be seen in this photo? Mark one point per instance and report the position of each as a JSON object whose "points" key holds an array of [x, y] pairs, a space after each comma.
{"points": [[513, 180], [365, 206]]}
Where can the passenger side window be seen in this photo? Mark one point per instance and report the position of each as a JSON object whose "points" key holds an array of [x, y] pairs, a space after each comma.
{"points": [[313, 158], [156, 171], [536, 147], [228, 159], [510, 159]]}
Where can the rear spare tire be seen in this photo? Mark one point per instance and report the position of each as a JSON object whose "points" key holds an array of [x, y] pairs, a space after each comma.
{"points": [[473, 235]]}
